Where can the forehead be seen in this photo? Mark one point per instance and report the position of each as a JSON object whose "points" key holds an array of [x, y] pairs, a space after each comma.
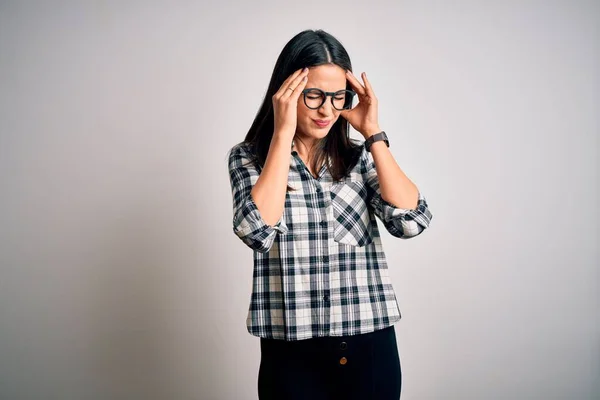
{"points": [[327, 77]]}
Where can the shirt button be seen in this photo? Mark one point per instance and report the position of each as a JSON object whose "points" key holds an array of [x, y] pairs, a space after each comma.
{"points": [[325, 259], [343, 360], [343, 345], [323, 223], [326, 297]]}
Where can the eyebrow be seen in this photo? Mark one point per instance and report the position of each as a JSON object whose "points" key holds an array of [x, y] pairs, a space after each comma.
{"points": [[326, 90]]}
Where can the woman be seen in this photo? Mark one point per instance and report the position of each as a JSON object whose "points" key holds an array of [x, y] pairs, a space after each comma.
{"points": [[305, 197]]}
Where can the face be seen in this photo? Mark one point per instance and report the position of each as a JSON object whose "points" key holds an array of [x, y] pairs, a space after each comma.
{"points": [[329, 78]]}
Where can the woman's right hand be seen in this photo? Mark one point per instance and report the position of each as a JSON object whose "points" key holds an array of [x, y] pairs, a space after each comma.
{"points": [[285, 103]]}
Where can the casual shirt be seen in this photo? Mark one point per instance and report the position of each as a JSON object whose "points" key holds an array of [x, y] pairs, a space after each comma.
{"points": [[321, 269]]}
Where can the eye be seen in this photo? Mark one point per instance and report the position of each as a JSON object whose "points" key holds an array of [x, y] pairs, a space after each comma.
{"points": [[314, 94], [340, 95]]}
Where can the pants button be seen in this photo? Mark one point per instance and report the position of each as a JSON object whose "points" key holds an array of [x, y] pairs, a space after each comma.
{"points": [[343, 360], [343, 345]]}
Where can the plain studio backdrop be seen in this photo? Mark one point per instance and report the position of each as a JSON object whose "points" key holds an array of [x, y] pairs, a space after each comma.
{"points": [[121, 277]]}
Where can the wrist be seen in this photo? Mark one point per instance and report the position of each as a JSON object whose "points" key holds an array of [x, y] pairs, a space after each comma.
{"points": [[378, 137], [371, 131], [282, 139], [281, 145]]}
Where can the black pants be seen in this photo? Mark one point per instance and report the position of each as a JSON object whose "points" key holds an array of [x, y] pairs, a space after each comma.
{"points": [[365, 367]]}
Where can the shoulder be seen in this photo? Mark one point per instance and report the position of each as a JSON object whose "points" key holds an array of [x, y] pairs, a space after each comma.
{"points": [[352, 159], [242, 158], [242, 148], [241, 151]]}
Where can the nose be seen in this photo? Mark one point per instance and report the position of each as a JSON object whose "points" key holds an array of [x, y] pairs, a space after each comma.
{"points": [[327, 108]]}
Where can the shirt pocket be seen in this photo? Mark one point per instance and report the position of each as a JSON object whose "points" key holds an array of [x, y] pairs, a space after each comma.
{"points": [[351, 215]]}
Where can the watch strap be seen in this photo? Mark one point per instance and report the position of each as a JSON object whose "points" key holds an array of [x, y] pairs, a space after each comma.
{"points": [[376, 138]]}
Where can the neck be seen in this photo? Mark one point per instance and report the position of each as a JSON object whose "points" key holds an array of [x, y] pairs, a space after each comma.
{"points": [[305, 147]]}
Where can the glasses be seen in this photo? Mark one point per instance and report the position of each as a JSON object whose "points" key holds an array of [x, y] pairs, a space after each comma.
{"points": [[342, 99]]}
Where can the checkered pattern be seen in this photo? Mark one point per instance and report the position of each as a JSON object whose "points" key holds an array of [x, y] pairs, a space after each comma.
{"points": [[320, 270]]}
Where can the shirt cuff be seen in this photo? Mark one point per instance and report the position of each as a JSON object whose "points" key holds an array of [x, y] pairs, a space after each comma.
{"points": [[251, 223], [390, 212]]}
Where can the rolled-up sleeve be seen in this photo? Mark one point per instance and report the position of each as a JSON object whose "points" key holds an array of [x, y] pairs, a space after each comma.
{"points": [[248, 223], [400, 222]]}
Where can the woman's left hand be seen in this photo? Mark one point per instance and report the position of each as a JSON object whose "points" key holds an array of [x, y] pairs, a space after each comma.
{"points": [[363, 117]]}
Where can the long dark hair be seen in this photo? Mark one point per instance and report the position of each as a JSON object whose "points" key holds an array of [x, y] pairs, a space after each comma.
{"points": [[308, 48]]}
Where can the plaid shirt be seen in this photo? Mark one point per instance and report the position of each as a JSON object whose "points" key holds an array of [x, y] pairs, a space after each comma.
{"points": [[320, 270]]}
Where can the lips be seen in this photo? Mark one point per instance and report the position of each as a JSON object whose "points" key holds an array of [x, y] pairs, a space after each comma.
{"points": [[321, 123]]}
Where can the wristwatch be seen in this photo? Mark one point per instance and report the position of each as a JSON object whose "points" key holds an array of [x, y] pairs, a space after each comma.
{"points": [[376, 138]]}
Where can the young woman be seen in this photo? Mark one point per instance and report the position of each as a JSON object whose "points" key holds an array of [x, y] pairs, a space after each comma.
{"points": [[305, 197]]}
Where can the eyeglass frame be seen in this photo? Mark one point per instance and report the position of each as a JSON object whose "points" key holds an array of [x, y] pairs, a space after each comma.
{"points": [[353, 93]]}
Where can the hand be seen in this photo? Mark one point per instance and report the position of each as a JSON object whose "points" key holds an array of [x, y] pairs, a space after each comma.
{"points": [[363, 117], [285, 104]]}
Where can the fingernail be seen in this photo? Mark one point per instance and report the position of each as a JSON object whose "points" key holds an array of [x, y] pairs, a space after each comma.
{"points": [[305, 69]]}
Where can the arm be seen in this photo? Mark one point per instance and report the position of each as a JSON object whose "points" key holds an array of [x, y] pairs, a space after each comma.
{"points": [[258, 199], [395, 199]]}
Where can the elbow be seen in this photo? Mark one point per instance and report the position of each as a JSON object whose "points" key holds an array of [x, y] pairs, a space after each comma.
{"points": [[411, 234], [260, 240], [402, 233], [251, 228], [407, 229], [259, 245]]}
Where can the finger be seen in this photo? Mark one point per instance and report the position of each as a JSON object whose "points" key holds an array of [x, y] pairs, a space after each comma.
{"points": [[297, 84], [286, 83], [368, 87], [284, 86], [356, 85]]}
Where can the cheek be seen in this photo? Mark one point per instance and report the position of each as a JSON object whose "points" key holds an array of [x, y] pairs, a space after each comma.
{"points": [[302, 111]]}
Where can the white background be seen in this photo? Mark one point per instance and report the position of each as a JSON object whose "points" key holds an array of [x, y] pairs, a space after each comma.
{"points": [[121, 277]]}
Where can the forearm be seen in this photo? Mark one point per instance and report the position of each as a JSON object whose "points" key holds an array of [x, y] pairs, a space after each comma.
{"points": [[269, 190], [394, 185]]}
